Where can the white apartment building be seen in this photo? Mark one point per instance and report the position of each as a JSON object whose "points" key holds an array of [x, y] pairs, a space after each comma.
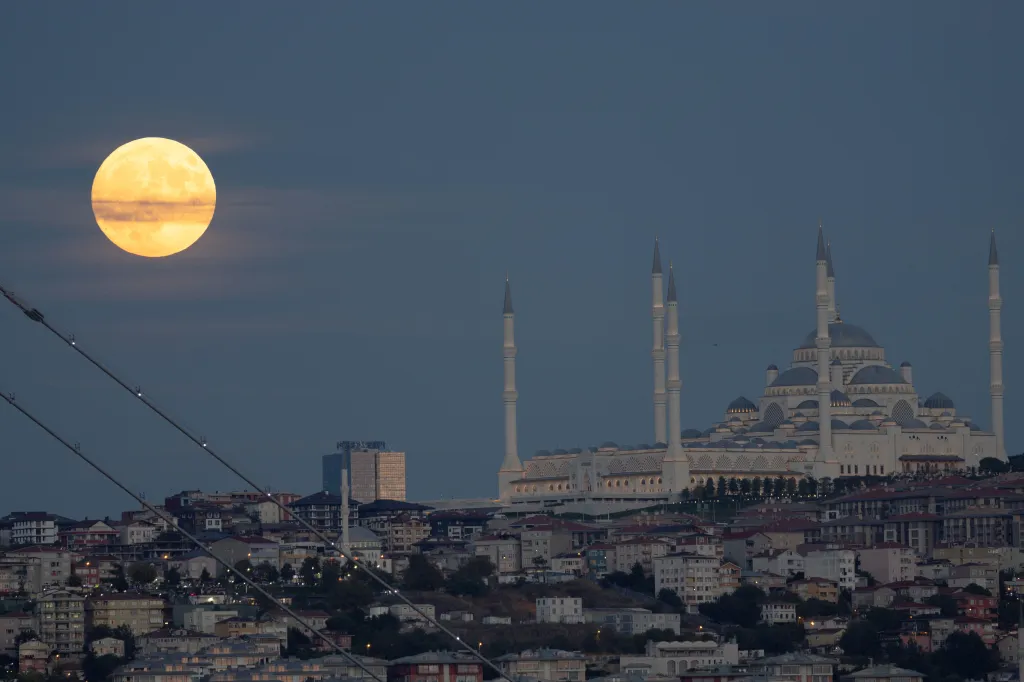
{"points": [[889, 562], [641, 551], [560, 610], [784, 562], [33, 528], [674, 658], [693, 577], [632, 621], [205, 620], [776, 612], [62, 620], [541, 543], [837, 565]]}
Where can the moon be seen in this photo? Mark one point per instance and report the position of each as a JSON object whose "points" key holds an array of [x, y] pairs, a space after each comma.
{"points": [[153, 197]]}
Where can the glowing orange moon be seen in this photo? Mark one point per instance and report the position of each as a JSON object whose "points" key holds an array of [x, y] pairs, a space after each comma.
{"points": [[153, 197]]}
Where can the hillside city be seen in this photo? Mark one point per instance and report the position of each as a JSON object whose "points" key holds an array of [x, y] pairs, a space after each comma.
{"points": [[868, 579]]}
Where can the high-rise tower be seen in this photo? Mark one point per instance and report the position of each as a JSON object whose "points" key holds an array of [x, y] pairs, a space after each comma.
{"points": [[995, 346], [658, 353], [823, 343], [511, 467]]}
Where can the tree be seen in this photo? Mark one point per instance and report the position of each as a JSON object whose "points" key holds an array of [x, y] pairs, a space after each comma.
{"points": [[734, 486], [722, 485], [812, 486], [74, 581], [768, 487], [709, 489], [422, 575], [25, 636], [816, 608], [471, 578], [265, 573], [991, 465], [755, 486], [142, 573], [330, 574], [244, 567], [99, 668], [310, 570], [205, 576], [745, 486], [742, 607], [975, 588], [946, 603], [669, 597], [173, 577], [860, 639], [779, 486], [119, 582], [967, 656], [803, 488], [790, 487], [287, 573]]}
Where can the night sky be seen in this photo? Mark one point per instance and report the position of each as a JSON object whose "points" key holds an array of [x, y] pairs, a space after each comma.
{"points": [[380, 167]]}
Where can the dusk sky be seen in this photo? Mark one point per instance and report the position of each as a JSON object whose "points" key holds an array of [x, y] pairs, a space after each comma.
{"points": [[379, 168]]}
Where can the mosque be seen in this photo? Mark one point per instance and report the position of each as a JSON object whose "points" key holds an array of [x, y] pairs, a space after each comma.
{"points": [[838, 410]]}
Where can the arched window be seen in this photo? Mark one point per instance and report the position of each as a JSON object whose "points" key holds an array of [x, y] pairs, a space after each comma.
{"points": [[773, 416], [671, 667], [902, 412]]}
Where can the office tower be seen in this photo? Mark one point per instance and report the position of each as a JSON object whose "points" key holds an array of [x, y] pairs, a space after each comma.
{"points": [[375, 473]]}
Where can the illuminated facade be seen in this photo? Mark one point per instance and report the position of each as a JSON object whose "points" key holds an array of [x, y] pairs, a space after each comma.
{"points": [[375, 472]]}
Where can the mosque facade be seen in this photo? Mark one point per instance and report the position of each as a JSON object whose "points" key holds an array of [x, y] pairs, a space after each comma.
{"points": [[839, 409]]}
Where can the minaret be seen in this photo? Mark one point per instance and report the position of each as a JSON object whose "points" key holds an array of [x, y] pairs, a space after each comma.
{"points": [[345, 515], [511, 467], [658, 313], [833, 313], [823, 342], [995, 347], [676, 466]]}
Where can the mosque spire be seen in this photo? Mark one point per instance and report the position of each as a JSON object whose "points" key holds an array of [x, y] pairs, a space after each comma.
{"points": [[511, 466], [995, 346], [676, 465], [823, 343], [671, 284], [830, 277], [658, 349]]}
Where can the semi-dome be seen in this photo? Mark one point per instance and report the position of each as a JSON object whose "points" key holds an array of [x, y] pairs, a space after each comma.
{"points": [[973, 427], [741, 405], [862, 425], [690, 433], [609, 445], [839, 424], [773, 367], [904, 364], [761, 427], [575, 451], [659, 445], [865, 402], [936, 426], [559, 452], [877, 374], [808, 441], [808, 405], [808, 426], [797, 376], [939, 401], [913, 423], [840, 399], [843, 335], [542, 453]]}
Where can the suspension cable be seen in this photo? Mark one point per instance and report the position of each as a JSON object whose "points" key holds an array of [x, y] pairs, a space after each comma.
{"points": [[36, 315], [168, 519]]}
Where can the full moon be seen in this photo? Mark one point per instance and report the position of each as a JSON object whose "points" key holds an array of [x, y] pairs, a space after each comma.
{"points": [[153, 197]]}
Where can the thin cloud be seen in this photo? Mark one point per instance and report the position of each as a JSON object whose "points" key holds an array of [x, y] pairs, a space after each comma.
{"points": [[90, 154]]}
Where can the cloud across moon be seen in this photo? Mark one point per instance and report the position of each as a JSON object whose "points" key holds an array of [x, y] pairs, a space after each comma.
{"points": [[153, 197]]}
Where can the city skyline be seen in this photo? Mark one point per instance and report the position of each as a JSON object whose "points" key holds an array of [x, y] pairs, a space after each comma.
{"points": [[349, 281]]}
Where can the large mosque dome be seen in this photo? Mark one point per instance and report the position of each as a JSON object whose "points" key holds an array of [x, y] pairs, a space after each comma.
{"points": [[843, 335]]}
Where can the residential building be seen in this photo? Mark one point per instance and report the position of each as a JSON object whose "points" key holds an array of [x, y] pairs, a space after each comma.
{"points": [[545, 665], [62, 620], [173, 641], [600, 559], [796, 666], [878, 596], [741, 547], [643, 551], [631, 621], [41, 566], [504, 551], [204, 619], [816, 588], [559, 610], [84, 535], [777, 612], [729, 575], [138, 533], [784, 562], [192, 564], [693, 577], [34, 528], [831, 563], [436, 666], [673, 658], [140, 613], [976, 605], [107, 646], [322, 511], [570, 563], [404, 532], [984, 575], [375, 473], [12, 625], [459, 524], [917, 530], [884, 673], [33, 656], [540, 543], [889, 562]]}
